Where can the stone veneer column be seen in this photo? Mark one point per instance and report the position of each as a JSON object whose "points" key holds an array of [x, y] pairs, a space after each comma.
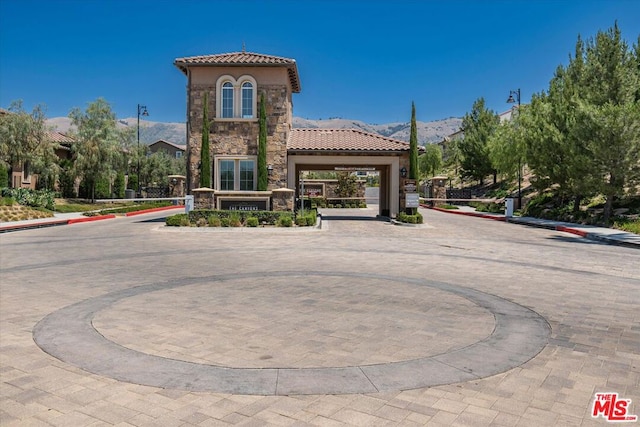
{"points": [[282, 199], [203, 198]]}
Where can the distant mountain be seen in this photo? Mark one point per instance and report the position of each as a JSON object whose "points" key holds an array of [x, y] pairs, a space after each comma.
{"points": [[428, 132]]}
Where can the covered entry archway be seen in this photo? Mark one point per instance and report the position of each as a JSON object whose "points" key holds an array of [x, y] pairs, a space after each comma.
{"points": [[328, 149], [388, 168]]}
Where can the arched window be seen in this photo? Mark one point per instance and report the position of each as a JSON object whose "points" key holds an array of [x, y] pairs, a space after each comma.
{"points": [[247, 100], [227, 100], [236, 98]]}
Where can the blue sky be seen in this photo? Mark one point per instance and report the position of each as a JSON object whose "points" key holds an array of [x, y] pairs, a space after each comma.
{"points": [[363, 60]]}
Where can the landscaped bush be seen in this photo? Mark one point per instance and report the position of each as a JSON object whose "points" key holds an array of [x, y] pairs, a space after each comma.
{"points": [[285, 221], [235, 220], [410, 219], [7, 201], [629, 225], [33, 198], [218, 218], [318, 202], [179, 220], [214, 221], [487, 207]]}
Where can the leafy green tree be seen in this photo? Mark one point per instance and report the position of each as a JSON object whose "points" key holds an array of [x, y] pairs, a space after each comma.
{"points": [[4, 175], [347, 184], [582, 135], [24, 140], [96, 146], [608, 113], [430, 162], [413, 145], [452, 156], [478, 127], [156, 168], [205, 157], [263, 173]]}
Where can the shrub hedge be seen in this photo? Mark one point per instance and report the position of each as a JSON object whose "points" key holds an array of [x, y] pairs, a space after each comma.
{"points": [[410, 219], [33, 198], [220, 218]]}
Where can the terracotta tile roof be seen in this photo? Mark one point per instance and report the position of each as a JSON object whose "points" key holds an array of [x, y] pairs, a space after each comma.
{"points": [[178, 146], [60, 138], [236, 59], [342, 140]]}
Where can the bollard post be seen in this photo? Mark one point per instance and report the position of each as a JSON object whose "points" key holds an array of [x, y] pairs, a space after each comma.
{"points": [[508, 207], [188, 204]]}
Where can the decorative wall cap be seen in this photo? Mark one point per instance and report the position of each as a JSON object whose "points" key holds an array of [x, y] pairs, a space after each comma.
{"points": [[283, 190], [203, 190]]}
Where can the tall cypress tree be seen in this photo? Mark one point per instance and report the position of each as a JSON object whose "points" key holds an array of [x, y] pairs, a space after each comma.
{"points": [[205, 158], [413, 145], [262, 147]]}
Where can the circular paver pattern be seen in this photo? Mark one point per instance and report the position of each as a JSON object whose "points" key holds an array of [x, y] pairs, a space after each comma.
{"points": [[312, 333]]}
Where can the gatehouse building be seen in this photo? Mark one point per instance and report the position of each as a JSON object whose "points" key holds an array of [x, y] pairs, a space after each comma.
{"points": [[233, 84]]}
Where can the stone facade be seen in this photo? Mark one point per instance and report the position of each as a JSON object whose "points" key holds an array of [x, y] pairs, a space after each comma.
{"points": [[282, 199], [240, 136]]}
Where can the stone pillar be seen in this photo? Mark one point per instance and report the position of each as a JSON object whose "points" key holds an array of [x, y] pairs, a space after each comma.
{"points": [[282, 199], [203, 198], [439, 186], [177, 185]]}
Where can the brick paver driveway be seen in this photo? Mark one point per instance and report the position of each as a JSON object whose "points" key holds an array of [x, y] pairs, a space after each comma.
{"points": [[464, 321]]}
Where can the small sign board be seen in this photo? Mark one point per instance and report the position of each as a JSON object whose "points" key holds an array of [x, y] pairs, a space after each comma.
{"points": [[410, 186], [249, 205], [412, 200]]}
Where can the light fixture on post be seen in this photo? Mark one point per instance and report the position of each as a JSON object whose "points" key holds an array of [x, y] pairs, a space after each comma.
{"points": [[142, 111], [510, 100]]}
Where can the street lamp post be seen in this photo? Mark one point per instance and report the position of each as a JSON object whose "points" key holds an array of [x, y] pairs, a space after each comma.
{"points": [[510, 100], [142, 111]]}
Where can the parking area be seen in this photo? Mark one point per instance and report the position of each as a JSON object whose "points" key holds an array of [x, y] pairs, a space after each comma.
{"points": [[461, 321]]}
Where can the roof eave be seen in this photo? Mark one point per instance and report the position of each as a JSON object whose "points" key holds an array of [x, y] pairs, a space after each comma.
{"points": [[294, 78]]}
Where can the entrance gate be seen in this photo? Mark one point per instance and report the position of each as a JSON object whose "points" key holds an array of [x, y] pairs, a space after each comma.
{"points": [[387, 167]]}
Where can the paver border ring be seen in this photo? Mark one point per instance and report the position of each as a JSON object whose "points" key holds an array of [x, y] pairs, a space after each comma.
{"points": [[68, 335]]}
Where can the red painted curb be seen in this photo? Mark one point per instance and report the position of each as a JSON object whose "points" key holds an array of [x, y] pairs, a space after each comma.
{"points": [[90, 218], [478, 215], [34, 225], [571, 230], [164, 208]]}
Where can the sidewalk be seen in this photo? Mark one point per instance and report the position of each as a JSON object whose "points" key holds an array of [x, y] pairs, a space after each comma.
{"points": [[68, 218], [602, 234]]}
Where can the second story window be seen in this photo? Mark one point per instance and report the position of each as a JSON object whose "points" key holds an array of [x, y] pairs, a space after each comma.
{"points": [[236, 98], [247, 100], [227, 100]]}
